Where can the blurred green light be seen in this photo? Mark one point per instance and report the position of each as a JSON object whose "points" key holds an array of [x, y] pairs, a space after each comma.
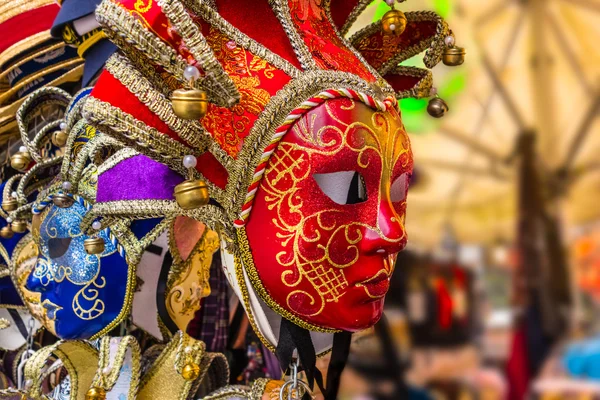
{"points": [[443, 7]]}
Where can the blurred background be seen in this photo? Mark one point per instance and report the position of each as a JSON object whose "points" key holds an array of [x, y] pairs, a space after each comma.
{"points": [[497, 296]]}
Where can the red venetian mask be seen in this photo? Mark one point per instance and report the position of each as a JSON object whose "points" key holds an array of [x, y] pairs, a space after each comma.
{"points": [[328, 217]]}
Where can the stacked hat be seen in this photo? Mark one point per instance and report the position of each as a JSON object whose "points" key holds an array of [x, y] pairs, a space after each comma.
{"points": [[29, 57], [76, 24]]}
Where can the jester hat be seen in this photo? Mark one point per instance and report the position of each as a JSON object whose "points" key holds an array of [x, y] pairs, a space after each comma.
{"points": [[302, 147]]}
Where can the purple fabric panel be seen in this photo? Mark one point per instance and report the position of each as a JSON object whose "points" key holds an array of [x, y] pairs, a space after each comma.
{"points": [[137, 178]]}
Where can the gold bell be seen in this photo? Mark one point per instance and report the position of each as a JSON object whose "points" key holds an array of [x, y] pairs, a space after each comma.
{"points": [[190, 103], [95, 393], [454, 56], [192, 194], [62, 200], [191, 372], [20, 161], [94, 245], [437, 107], [18, 226], [6, 232], [10, 204], [59, 138], [394, 22]]}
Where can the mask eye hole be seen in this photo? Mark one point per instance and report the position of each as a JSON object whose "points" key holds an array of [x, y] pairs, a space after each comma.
{"points": [[344, 187], [57, 247], [399, 188]]}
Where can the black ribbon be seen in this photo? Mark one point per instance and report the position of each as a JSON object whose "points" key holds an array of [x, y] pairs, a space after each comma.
{"points": [[293, 337]]}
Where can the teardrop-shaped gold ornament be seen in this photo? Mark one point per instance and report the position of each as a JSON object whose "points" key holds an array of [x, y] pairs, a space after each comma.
{"points": [[437, 107], [94, 245], [95, 393], [454, 56], [62, 200], [6, 232], [190, 372], [10, 204], [394, 22], [59, 138], [20, 161], [192, 194], [18, 226], [190, 103]]}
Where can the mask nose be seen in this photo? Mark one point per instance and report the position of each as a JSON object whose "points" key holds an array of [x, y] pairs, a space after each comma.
{"points": [[34, 283], [391, 238]]}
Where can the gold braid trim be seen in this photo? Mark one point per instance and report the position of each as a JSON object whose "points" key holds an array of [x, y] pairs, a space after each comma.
{"points": [[282, 12], [66, 65], [43, 138], [285, 101], [162, 378], [434, 45], [212, 17], [422, 89], [40, 98], [8, 189], [26, 184], [123, 28], [74, 109], [74, 133], [112, 161], [360, 7], [190, 131], [124, 126], [381, 82], [217, 83], [210, 215], [147, 140], [36, 54], [234, 391], [108, 381], [25, 44], [12, 8]]}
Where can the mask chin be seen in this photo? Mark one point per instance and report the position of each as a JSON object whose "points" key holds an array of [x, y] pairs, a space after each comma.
{"points": [[265, 321]]}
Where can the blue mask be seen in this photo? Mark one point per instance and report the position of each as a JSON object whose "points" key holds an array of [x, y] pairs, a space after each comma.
{"points": [[82, 294]]}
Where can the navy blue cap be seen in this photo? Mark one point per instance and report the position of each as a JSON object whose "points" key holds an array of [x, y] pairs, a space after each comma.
{"points": [[95, 58], [72, 10]]}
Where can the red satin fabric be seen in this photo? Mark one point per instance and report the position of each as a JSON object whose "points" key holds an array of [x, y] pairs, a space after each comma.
{"points": [[340, 11], [268, 32]]}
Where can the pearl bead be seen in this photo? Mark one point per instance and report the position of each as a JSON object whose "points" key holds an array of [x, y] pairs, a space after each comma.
{"points": [[191, 73], [449, 40], [97, 225], [393, 27], [14, 195], [67, 185], [190, 161], [390, 2], [28, 383], [106, 370], [231, 45], [433, 91], [63, 126], [9, 220], [188, 350], [23, 149]]}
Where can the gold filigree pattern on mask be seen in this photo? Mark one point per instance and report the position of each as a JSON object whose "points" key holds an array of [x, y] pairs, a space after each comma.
{"points": [[384, 136]]}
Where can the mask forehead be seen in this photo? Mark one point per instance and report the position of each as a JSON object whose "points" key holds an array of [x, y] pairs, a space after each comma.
{"points": [[342, 135]]}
